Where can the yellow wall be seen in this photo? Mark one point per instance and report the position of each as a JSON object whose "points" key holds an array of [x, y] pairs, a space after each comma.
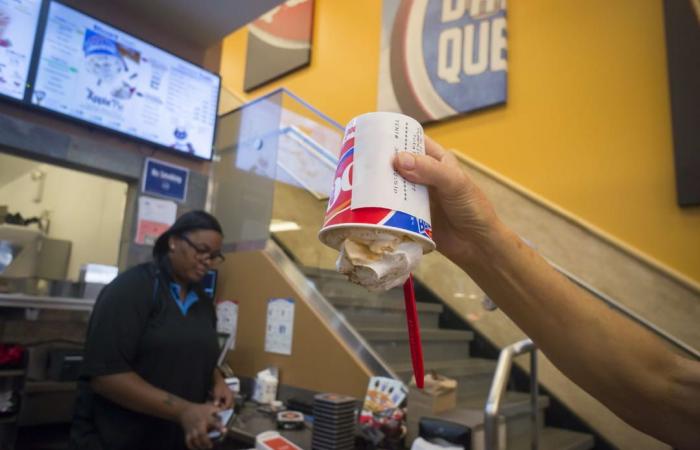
{"points": [[587, 124]]}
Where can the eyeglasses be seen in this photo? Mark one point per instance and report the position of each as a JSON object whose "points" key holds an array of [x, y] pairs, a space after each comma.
{"points": [[203, 254]]}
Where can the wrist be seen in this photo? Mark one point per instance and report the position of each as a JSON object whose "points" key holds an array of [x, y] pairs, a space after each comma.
{"points": [[486, 245], [179, 410]]}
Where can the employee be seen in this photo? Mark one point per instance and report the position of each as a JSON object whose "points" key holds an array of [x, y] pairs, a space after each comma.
{"points": [[149, 378]]}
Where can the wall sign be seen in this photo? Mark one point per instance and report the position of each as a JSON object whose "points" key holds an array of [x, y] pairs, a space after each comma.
{"points": [[440, 58], [227, 320], [280, 326], [279, 42], [165, 179], [154, 217]]}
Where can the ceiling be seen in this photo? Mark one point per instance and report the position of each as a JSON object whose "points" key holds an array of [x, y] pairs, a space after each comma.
{"points": [[203, 22]]}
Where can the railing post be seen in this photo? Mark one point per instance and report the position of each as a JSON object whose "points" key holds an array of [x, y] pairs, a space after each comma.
{"points": [[534, 401], [498, 386]]}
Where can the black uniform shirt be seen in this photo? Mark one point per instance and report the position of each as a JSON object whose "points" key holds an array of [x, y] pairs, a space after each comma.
{"points": [[137, 325]]}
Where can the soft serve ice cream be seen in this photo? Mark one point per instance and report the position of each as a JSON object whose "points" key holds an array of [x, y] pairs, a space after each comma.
{"points": [[378, 260], [377, 220]]}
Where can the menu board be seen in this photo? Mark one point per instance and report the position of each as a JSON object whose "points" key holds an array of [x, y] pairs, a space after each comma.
{"points": [[94, 72], [18, 22]]}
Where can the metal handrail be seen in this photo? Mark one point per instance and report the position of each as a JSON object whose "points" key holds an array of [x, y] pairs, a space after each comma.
{"points": [[498, 388], [685, 347]]}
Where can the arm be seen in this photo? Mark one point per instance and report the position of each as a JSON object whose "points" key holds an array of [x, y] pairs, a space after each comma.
{"points": [[131, 391], [614, 359]]}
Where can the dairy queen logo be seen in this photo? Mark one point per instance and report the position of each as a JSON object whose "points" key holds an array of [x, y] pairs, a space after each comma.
{"points": [[442, 57], [341, 191]]}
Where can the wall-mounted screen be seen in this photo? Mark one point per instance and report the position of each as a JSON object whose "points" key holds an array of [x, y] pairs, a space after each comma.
{"points": [[18, 23], [96, 73]]}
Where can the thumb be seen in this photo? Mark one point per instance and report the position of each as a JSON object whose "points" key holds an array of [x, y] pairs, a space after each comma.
{"points": [[423, 169]]}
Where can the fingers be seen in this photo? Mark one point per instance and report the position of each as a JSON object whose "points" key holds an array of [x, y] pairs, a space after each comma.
{"points": [[197, 431], [197, 440], [445, 175], [432, 148]]}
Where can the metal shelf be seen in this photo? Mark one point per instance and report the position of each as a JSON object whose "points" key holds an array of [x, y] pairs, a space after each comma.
{"points": [[46, 302]]}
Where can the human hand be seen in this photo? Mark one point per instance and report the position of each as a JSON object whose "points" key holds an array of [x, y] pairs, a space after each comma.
{"points": [[222, 395], [197, 420], [462, 216]]}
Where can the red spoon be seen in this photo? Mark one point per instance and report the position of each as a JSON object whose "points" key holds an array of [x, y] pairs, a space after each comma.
{"points": [[409, 297]]}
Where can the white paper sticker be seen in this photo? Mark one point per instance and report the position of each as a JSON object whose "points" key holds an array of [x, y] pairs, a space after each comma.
{"points": [[280, 326], [227, 320], [378, 137], [154, 217]]}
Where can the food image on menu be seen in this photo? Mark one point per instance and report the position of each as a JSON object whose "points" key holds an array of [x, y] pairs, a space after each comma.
{"points": [[113, 65]]}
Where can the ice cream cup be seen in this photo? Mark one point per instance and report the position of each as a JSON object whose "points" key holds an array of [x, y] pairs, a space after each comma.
{"points": [[367, 193]]}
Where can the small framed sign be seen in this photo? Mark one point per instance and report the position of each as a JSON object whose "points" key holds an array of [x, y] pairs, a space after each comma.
{"points": [[165, 180]]}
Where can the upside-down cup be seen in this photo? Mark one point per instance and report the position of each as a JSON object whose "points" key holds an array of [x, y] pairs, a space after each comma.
{"points": [[367, 193]]}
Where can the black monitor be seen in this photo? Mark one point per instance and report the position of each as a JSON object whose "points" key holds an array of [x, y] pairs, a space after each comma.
{"points": [[19, 21], [93, 72]]}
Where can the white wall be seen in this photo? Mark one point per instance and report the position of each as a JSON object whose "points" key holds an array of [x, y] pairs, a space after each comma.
{"points": [[85, 209]]}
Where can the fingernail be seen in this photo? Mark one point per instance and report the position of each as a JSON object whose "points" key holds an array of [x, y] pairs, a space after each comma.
{"points": [[406, 160]]}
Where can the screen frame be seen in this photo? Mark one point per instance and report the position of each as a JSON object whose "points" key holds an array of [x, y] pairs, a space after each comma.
{"points": [[34, 69]]}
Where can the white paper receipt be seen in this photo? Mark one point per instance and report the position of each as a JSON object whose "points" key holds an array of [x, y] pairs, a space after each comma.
{"points": [[378, 137]]}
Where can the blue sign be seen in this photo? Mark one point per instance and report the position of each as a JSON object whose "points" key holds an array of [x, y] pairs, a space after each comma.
{"points": [[165, 179]]}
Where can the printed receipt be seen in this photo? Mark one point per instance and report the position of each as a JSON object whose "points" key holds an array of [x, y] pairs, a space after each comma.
{"points": [[378, 137]]}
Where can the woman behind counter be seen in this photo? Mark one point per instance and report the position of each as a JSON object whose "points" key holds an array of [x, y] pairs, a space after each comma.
{"points": [[151, 350]]}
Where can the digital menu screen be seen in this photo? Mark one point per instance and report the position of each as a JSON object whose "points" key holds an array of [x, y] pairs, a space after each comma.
{"points": [[99, 74], [18, 23]]}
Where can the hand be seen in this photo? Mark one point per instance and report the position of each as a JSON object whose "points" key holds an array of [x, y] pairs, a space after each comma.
{"points": [[222, 396], [197, 420], [461, 214]]}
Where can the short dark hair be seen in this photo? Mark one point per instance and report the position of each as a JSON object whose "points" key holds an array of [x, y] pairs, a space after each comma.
{"points": [[190, 221]]}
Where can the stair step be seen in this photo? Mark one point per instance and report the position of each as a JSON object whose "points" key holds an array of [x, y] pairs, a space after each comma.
{"points": [[382, 304], [427, 335], [453, 368], [386, 318], [333, 284], [556, 439], [514, 403], [343, 288], [438, 345], [473, 375]]}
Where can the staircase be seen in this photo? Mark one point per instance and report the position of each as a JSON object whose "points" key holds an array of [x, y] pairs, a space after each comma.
{"points": [[380, 320]]}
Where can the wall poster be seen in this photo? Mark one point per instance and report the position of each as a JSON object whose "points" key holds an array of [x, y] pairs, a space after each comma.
{"points": [[440, 58], [278, 42]]}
